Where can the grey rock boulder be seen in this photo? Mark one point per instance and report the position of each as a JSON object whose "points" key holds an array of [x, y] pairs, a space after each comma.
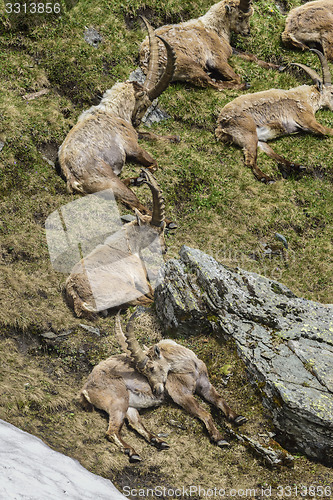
{"points": [[154, 114], [286, 342]]}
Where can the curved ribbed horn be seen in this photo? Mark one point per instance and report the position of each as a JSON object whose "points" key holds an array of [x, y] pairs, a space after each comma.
{"points": [[167, 73], [137, 354], [158, 200], [244, 5], [327, 79], [120, 335], [153, 65], [310, 72]]}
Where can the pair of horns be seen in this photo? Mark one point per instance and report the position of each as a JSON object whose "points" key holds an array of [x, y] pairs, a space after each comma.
{"points": [[134, 349], [327, 79], [152, 85]]}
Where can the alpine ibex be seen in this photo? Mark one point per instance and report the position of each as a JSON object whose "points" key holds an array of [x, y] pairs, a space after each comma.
{"points": [[123, 384], [311, 24], [104, 138], [114, 273], [252, 119], [203, 47]]}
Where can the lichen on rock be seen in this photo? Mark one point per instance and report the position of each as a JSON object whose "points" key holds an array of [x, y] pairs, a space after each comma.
{"points": [[286, 342]]}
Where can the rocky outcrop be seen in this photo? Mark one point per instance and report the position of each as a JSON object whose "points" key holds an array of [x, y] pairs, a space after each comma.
{"points": [[286, 342]]}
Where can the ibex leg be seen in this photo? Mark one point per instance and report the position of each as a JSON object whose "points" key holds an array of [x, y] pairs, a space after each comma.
{"points": [[290, 38], [112, 398], [250, 158], [280, 159], [139, 155], [180, 388], [206, 390], [135, 422], [126, 196], [197, 76], [311, 125], [155, 137], [243, 133], [251, 57], [116, 406], [328, 48], [107, 179], [227, 78]]}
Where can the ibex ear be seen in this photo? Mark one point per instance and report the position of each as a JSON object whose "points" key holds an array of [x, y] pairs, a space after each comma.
{"points": [[157, 351], [139, 217]]}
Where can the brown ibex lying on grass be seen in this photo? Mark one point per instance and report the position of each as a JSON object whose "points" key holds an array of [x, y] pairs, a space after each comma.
{"points": [[104, 138], [114, 273], [251, 120], [123, 384], [202, 45], [311, 24]]}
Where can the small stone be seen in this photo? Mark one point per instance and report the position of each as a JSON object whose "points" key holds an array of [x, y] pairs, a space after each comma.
{"points": [[92, 37], [49, 335], [174, 423], [91, 329]]}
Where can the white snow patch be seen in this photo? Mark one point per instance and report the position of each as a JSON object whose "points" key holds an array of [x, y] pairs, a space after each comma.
{"points": [[30, 470]]}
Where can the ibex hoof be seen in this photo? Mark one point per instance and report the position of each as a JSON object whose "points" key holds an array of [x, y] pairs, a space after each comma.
{"points": [[134, 459], [240, 420], [172, 225], [164, 446], [138, 181], [267, 180], [223, 443], [160, 445]]}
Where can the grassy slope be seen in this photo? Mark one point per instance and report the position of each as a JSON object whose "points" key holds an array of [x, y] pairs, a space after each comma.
{"points": [[219, 206]]}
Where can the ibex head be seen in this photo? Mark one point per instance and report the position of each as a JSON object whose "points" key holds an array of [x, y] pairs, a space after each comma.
{"points": [[150, 362], [239, 16], [153, 86], [324, 84]]}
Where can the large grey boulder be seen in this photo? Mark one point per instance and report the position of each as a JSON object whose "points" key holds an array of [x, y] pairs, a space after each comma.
{"points": [[286, 342]]}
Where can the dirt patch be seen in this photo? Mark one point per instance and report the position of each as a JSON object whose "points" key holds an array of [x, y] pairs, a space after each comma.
{"points": [[10, 254], [130, 479], [186, 188], [318, 172], [49, 150]]}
